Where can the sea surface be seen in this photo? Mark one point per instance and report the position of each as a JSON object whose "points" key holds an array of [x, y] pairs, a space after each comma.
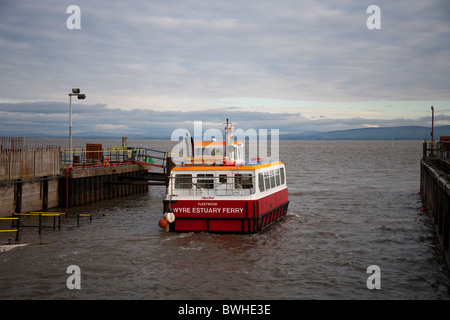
{"points": [[353, 205]]}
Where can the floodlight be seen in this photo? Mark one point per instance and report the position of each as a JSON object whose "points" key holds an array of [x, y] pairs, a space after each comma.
{"points": [[75, 92]]}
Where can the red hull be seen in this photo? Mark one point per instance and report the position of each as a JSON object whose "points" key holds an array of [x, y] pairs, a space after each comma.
{"points": [[228, 216]]}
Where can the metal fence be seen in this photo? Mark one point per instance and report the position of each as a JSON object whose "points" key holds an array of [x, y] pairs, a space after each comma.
{"points": [[19, 161], [12, 143], [437, 149]]}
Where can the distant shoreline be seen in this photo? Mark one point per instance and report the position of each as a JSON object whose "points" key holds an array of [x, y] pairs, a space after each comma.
{"points": [[382, 133]]}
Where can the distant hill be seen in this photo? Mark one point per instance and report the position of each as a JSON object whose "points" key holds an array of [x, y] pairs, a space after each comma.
{"points": [[388, 133]]}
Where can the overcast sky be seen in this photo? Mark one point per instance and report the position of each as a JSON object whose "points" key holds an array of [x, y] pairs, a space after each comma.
{"points": [[149, 67]]}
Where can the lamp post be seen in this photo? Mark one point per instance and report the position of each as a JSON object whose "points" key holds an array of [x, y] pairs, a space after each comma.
{"points": [[432, 123], [75, 92], [432, 131]]}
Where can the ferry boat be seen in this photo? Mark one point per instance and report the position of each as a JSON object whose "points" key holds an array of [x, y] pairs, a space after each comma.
{"points": [[222, 193]]}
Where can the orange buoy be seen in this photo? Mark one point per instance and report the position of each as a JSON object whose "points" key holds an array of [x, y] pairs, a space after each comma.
{"points": [[163, 223]]}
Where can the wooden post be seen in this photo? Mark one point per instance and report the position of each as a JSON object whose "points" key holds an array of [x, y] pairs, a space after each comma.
{"points": [[45, 194], [18, 196]]}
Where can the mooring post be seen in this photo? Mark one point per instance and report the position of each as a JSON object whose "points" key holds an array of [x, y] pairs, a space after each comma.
{"points": [[45, 193], [18, 196], [40, 223]]}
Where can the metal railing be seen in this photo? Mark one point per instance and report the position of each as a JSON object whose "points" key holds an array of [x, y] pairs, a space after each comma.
{"points": [[40, 215], [437, 149], [110, 156], [12, 143], [150, 156], [14, 227]]}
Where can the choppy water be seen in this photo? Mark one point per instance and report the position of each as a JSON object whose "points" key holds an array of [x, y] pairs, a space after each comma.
{"points": [[353, 205]]}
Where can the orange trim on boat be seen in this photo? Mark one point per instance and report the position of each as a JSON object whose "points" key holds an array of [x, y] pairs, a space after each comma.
{"points": [[213, 143], [209, 143], [220, 167]]}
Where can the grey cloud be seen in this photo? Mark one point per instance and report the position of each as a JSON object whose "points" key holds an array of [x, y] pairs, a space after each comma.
{"points": [[190, 50]]}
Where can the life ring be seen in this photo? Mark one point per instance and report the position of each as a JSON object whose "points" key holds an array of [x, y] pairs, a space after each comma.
{"points": [[106, 161]]}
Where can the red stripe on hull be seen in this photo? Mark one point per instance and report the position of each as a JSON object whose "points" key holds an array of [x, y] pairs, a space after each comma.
{"points": [[228, 216]]}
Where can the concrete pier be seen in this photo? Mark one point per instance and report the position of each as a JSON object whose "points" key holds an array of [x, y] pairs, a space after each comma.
{"points": [[39, 178], [435, 192], [28, 178], [87, 185]]}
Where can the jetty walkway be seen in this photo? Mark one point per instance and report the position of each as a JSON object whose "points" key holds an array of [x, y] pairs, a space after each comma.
{"points": [[435, 189], [36, 179]]}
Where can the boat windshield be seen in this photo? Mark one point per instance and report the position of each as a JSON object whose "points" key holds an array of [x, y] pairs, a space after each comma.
{"points": [[221, 184]]}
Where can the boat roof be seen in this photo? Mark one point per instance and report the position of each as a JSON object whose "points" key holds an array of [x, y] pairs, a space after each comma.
{"points": [[203, 167]]}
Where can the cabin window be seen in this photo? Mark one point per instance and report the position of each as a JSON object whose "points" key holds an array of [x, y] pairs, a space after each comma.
{"points": [[267, 179], [222, 178], [183, 181], [277, 176], [261, 182], [282, 175], [272, 179], [205, 181], [216, 152], [243, 181]]}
